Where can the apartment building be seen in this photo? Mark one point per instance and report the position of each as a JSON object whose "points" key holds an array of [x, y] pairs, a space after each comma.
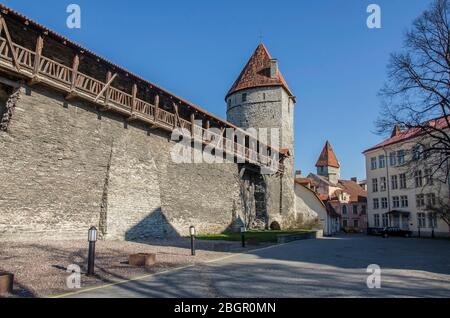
{"points": [[402, 185]]}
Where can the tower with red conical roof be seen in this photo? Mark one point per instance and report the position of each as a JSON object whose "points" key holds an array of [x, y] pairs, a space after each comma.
{"points": [[261, 98], [327, 165]]}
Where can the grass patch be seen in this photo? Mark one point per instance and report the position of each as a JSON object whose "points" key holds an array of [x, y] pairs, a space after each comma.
{"points": [[260, 236]]}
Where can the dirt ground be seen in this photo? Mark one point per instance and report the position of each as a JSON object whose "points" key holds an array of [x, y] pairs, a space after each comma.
{"points": [[39, 267]]}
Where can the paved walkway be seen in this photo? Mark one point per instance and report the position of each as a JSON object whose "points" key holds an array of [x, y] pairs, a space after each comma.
{"points": [[329, 267]]}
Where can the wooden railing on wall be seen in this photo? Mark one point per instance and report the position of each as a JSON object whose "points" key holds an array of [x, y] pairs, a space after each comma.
{"points": [[56, 74]]}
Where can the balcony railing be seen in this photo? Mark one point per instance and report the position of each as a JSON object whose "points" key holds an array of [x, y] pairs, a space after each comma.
{"points": [[52, 72]]}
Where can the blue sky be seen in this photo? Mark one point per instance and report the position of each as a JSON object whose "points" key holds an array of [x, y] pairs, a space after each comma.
{"points": [[333, 63]]}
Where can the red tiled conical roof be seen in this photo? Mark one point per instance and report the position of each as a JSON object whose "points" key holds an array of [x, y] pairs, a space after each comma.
{"points": [[327, 157], [256, 73]]}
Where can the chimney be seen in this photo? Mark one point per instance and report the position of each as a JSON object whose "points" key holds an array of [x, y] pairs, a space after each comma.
{"points": [[396, 131], [273, 68], [354, 179], [298, 174]]}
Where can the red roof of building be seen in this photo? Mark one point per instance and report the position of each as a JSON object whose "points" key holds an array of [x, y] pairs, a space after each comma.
{"points": [[306, 181], [256, 73], [399, 136], [356, 192], [327, 157]]}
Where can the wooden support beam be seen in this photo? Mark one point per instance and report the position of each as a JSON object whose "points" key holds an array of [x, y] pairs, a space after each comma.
{"points": [[106, 87], [177, 115], [4, 27], [156, 107], [208, 125], [133, 103], [38, 54], [108, 78], [37, 60], [222, 130], [192, 124], [106, 103], [75, 64]]}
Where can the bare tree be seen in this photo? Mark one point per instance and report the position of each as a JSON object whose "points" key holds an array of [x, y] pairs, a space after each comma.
{"points": [[416, 96], [441, 210]]}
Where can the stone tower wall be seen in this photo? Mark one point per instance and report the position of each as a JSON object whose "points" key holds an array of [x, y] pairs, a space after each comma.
{"points": [[270, 107]]}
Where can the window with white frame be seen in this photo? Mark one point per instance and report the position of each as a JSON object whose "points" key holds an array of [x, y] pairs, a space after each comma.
{"points": [[402, 181], [373, 163], [396, 202], [431, 199], [384, 203], [429, 176], [385, 220], [383, 184], [392, 159], [394, 182], [421, 220], [382, 161], [375, 185], [418, 178], [376, 203], [404, 201], [376, 220], [432, 220], [416, 152], [420, 200], [400, 157]]}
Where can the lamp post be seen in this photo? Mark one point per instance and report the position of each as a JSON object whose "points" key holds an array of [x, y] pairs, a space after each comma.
{"points": [[243, 235], [92, 238], [192, 232]]}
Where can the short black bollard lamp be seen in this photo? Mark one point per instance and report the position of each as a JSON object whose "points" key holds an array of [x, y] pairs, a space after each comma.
{"points": [[243, 235], [92, 238], [192, 232]]}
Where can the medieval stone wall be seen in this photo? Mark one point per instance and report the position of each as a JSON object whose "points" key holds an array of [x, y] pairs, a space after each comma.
{"points": [[65, 166]]}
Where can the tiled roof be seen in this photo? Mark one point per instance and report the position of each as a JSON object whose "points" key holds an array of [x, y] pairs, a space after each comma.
{"points": [[319, 178], [356, 192], [327, 157], [256, 73], [399, 136], [313, 192], [307, 181], [285, 152]]}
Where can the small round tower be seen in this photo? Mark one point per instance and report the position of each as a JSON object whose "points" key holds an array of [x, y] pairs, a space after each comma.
{"points": [[261, 98]]}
